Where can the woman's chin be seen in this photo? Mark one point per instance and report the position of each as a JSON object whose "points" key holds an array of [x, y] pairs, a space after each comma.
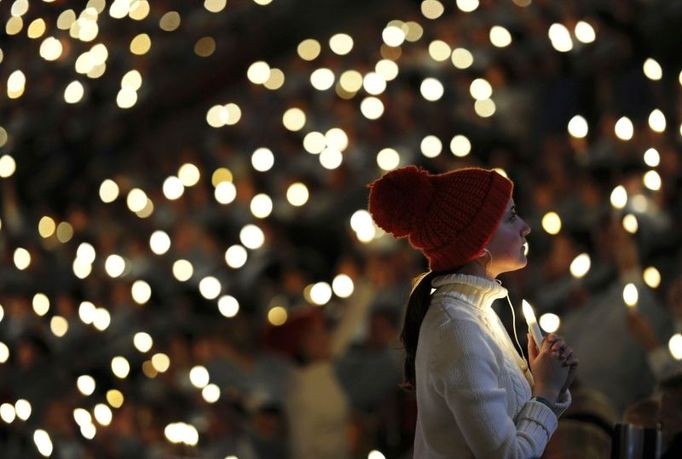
{"points": [[521, 263]]}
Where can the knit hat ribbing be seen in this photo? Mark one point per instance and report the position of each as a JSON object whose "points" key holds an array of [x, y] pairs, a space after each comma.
{"points": [[449, 217]]}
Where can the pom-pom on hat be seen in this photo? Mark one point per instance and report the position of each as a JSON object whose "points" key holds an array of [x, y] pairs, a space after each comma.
{"points": [[448, 217]]}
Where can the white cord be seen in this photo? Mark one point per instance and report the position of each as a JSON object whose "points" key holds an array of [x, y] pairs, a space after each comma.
{"points": [[516, 337], [511, 306]]}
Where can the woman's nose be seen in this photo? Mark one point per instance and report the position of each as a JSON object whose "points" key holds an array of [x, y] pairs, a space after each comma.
{"points": [[525, 231]]}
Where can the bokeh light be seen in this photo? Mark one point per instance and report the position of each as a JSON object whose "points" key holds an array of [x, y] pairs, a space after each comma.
{"points": [[262, 159], [294, 119], [500, 37], [322, 79], [41, 304], [210, 287], [361, 222], [298, 194], [551, 223], [630, 295], [115, 265], [183, 270], [22, 258], [120, 367], [630, 223], [372, 108], [341, 44], [252, 237], [624, 128], [652, 277], [619, 197], [578, 127], [657, 121], [199, 376], [393, 36], [143, 341], [228, 306], [211, 393], [59, 326], [549, 322], [261, 205], [675, 346], [584, 32], [652, 69], [159, 242], [652, 158], [173, 188], [431, 89], [225, 192], [309, 49], [580, 265], [277, 316], [321, 293], [141, 291], [460, 146], [43, 442], [388, 159], [432, 9], [462, 58], [236, 256], [4, 353], [560, 37], [86, 384], [343, 286], [431, 146]]}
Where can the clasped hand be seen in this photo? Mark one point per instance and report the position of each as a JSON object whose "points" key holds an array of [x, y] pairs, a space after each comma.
{"points": [[553, 366]]}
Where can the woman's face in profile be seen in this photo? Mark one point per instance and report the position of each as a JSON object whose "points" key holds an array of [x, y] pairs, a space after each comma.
{"points": [[508, 244]]}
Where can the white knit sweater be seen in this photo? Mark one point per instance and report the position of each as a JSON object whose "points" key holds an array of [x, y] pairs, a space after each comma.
{"points": [[473, 388]]}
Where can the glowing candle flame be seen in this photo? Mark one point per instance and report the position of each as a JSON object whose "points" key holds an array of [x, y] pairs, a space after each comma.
{"points": [[533, 326]]}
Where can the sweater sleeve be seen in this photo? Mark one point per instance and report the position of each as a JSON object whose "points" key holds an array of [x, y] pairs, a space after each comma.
{"points": [[563, 403], [466, 376]]}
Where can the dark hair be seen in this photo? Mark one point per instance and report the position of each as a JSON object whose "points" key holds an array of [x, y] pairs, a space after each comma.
{"points": [[417, 306]]}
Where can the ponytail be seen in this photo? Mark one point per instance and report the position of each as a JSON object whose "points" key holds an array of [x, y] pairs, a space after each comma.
{"points": [[417, 306]]}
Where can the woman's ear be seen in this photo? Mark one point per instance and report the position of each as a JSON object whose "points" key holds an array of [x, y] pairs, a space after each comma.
{"points": [[486, 259]]}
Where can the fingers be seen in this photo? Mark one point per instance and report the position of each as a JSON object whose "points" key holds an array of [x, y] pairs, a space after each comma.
{"points": [[557, 347], [570, 360], [548, 342], [569, 379], [532, 348]]}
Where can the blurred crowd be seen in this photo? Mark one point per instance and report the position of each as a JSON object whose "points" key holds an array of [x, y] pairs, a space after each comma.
{"points": [[326, 383]]}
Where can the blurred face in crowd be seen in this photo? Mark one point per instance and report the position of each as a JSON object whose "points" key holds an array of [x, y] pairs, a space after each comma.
{"points": [[508, 245], [316, 344]]}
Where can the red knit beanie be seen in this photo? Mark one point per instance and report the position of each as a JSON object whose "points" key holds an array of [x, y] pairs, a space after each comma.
{"points": [[448, 217]]}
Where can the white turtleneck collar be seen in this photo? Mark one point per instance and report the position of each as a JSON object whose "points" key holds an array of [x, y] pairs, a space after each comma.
{"points": [[475, 290]]}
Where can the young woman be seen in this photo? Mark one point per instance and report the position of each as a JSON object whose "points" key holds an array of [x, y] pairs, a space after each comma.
{"points": [[476, 396]]}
